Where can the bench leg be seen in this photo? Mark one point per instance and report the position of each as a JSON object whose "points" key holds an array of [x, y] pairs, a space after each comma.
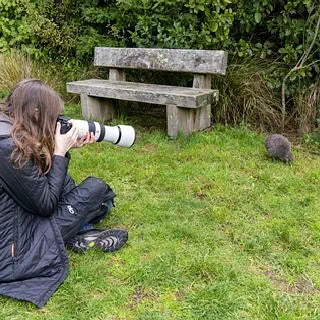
{"points": [[187, 120], [94, 108], [119, 75]]}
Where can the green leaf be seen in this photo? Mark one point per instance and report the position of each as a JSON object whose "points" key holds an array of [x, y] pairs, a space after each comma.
{"points": [[257, 17], [213, 26], [293, 76], [288, 32]]}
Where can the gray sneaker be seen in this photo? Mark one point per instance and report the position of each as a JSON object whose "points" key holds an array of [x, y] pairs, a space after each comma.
{"points": [[108, 240]]}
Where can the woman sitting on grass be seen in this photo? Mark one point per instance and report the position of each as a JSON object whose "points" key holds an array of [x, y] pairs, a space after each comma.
{"points": [[41, 208]]}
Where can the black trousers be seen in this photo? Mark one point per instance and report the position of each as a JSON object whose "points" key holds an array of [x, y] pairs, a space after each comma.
{"points": [[81, 204]]}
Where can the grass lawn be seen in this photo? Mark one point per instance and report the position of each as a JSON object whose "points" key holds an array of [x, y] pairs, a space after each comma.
{"points": [[217, 230]]}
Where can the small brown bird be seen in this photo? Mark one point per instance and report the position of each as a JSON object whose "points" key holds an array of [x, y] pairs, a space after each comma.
{"points": [[279, 147]]}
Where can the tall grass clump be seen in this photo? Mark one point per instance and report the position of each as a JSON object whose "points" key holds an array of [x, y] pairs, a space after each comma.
{"points": [[15, 66], [245, 96], [306, 115]]}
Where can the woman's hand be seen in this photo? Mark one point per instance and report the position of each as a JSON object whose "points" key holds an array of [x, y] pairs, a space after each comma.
{"points": [[89, 138], [63, 142]]}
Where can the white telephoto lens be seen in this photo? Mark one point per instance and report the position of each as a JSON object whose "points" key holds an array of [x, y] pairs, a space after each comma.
{"points": [[87, 126], [128, 136], [83, 127], [98, 130], [121, 135], [111, 134]]}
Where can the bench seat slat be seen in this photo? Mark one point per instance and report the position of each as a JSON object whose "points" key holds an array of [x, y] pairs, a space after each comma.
{"points": [[141, 92]]}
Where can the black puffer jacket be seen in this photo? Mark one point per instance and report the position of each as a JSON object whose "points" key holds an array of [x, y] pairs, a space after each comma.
{"points": [[33, 261]]}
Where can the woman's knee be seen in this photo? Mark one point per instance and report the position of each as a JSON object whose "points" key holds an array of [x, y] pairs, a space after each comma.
{"points": [[95, 185]]}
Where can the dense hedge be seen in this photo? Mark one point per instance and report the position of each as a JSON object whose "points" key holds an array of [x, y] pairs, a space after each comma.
{"points": [[67, 30]]}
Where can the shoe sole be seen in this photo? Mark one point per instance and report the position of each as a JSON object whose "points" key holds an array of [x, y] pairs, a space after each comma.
{"points": [[105, 240], [108, 242]]}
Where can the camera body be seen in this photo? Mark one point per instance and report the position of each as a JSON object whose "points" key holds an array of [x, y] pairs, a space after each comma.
{"points": [[121, 135], [66, 125]]}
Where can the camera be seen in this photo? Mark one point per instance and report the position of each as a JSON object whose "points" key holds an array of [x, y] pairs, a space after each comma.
{"points": [[120, 135]]}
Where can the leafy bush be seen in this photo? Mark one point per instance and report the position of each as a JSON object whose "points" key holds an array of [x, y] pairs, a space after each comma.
{"points": [[14, 27]]}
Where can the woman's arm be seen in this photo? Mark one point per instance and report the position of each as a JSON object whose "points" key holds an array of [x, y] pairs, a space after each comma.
{"points": [[37, 194]]}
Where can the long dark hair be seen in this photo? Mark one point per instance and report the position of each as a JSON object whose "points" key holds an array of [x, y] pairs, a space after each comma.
{"points": [[33, 108]]}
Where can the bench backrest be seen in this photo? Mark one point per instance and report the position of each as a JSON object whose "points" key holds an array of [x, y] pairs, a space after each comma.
{"points": [[179, 60]]}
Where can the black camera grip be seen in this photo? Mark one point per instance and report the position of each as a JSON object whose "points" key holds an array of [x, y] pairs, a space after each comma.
{"points": [[65, 124]]}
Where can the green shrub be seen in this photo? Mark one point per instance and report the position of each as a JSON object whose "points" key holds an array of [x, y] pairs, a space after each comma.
{"points": [[66, 29], [15, 31]]}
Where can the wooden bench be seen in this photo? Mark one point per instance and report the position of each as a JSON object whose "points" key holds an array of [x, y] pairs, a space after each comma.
{"points": [[187, 109]]}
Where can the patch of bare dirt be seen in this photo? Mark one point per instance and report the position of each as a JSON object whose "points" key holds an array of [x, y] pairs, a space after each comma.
{"points": [[138, 295], [302, 285]]}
